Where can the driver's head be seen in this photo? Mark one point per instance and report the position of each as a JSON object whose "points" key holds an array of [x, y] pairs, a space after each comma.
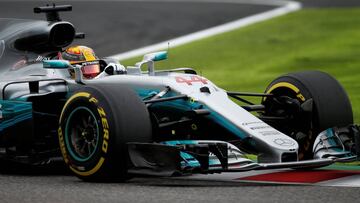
{"points": [[84, 56]]}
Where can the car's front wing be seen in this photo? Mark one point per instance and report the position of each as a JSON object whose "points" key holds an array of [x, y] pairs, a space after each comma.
{"points": [[188, 157]]}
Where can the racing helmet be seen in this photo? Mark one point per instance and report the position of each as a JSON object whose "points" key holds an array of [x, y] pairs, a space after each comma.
{"points": [[86, 57]]}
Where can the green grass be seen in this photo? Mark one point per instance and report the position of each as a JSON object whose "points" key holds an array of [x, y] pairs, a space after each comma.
{"points": [[248, 59]]}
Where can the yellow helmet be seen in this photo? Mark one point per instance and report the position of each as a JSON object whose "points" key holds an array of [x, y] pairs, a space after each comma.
{"points": [[83, 55]]}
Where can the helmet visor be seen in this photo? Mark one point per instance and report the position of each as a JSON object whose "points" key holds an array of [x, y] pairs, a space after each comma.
{"points": [[91, 70]]}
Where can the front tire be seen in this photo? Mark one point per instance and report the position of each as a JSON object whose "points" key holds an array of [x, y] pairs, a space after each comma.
{"points": [[315, 90], [95, 124]]}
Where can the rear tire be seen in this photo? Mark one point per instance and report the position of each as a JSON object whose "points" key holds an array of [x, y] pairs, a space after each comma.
{"points": [[330, 106], [95, 124]]}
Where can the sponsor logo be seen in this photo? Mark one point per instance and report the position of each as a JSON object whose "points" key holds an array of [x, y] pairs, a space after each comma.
{"points": [[251, 123], [259, 127], [191, 80], [284, 142], [268, 133], [41, 58]]}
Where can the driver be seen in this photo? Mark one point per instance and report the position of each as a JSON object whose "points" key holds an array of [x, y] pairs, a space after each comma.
{"points": [[91, 64], [82, 55]]}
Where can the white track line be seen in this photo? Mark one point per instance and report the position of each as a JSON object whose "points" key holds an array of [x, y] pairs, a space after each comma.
{"points": [[286, 7], [349, 181]]}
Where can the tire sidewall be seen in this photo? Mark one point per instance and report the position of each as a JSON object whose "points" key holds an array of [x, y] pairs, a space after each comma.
{"points": [[93, 101]]}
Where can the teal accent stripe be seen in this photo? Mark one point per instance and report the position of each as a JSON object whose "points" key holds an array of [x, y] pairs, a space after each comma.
{"points": [[15, 120], [187, 159], [143, 93], [179, 142], [14, 112], [331, 137], [186, 105]]}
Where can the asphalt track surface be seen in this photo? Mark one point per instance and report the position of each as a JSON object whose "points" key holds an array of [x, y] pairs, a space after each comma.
{"points": [[68, 189], [329, 3], [140, 24]]}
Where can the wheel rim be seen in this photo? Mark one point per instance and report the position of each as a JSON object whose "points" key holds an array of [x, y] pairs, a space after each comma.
{"points": [[294, 116], [82, 134], [297, 123]]}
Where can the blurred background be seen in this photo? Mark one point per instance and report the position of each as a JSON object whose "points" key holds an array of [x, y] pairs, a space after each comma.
{"points": [[323, 35]]}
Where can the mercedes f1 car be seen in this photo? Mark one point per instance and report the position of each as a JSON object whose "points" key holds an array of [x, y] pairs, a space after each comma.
{"points": [[167, 122]]}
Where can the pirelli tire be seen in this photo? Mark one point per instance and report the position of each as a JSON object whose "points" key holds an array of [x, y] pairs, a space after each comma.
{"points": [[327, 99], [95, 124]]}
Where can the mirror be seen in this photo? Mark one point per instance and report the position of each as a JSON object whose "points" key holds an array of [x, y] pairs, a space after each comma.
{"points": [[157, 56], [56, 64], [149, 59]]}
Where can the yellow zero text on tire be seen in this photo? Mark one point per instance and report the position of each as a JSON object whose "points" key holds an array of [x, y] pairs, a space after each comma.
{"points": [[62, 145], [105, 125]]}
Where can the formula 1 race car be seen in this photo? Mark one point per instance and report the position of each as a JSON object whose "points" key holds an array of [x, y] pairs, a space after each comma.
{"points": [[167, 122]]}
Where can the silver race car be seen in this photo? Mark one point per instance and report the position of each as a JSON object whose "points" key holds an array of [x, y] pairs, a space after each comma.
{"points": [[165, 123]]}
